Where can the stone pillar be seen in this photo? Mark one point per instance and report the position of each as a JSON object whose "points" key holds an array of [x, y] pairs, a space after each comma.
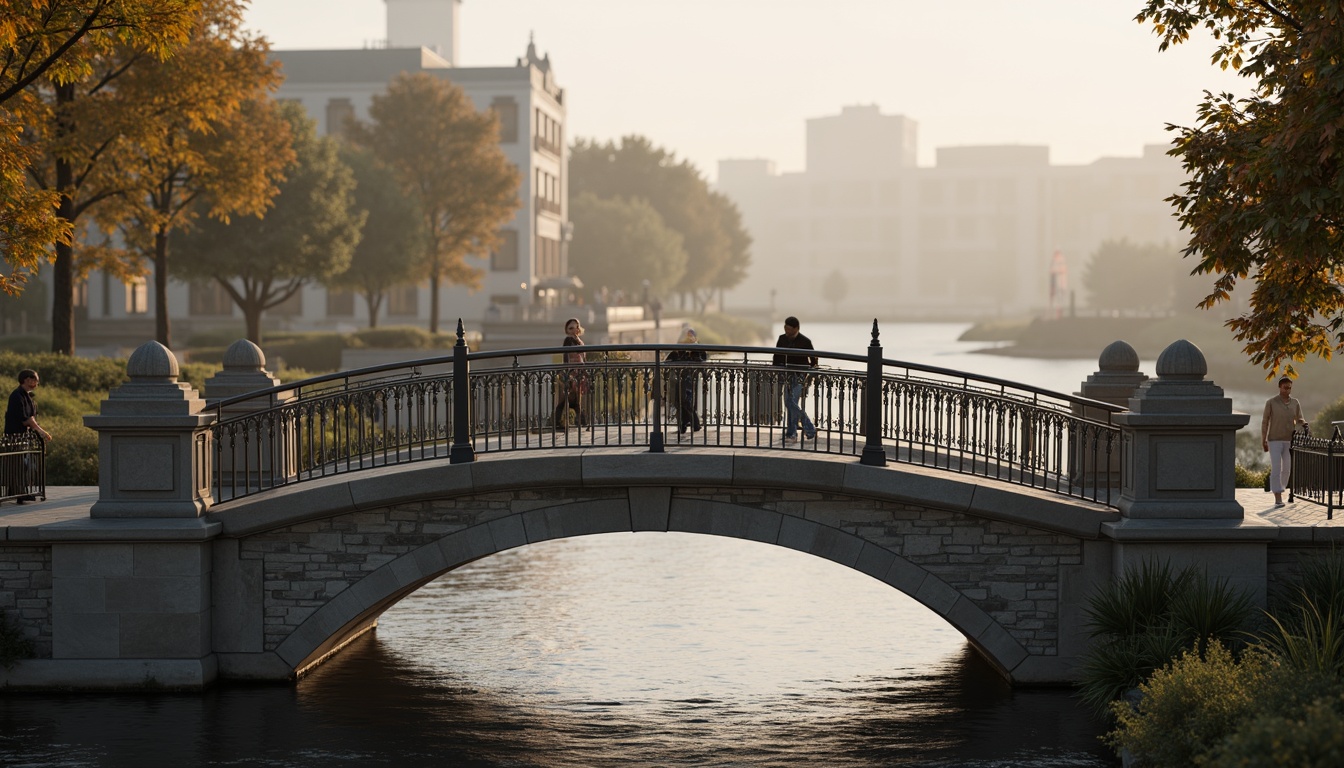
{"points": [[250, 453], [1178, 496], [1180, 443], [153, 443], [1115, 382], [131, 585]]}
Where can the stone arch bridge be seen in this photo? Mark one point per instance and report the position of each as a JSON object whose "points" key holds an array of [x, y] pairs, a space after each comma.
{"points": [[251, 535]]}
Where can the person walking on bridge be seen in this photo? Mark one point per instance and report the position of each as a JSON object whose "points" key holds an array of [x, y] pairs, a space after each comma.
{"points": [[1282, 415], [796, 367]]}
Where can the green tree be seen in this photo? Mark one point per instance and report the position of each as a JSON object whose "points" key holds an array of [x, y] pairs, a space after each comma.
{"points": [[210, 138], [834, 289], [308, 235], [393, 240], [717, 247], [58, 40], [1123, 275], [621, 243], [1265, 199], [447, 154]]}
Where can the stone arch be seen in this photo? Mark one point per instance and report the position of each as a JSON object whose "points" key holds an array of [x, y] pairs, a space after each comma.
{"points": [[355, 609]]}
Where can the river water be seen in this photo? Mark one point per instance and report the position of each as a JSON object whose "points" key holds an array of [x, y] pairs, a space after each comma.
{"points": [[649, 649]]}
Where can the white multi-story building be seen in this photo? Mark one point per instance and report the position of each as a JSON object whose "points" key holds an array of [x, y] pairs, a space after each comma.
{"points": [[972, 236], [337, 85]]}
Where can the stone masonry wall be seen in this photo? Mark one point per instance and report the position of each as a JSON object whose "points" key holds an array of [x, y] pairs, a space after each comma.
{"points": [[25, 593], [1009, 571]]}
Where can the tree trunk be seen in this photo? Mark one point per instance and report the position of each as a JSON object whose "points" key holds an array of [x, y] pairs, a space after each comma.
{"points": [[63, 277], [434, 301], [375, 304], [252, 319], [162, 325]]}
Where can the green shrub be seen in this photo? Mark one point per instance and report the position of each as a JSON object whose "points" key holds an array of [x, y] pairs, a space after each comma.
{"points": [[1320, 426], [196, 373], [400, 337], [77, 374], [13, 644], [1189, 707], [217, 337], [1250, 478], [1143, 620], [1306, 737], [72, 454]]}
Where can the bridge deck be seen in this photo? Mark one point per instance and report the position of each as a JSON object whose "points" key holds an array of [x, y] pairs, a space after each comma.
{"points": [[67, 505]]}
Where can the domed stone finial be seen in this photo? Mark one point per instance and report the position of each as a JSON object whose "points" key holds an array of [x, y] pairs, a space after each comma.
{"points": [[152, 361], [1182, 360], [243, 355], [1118, 357]]}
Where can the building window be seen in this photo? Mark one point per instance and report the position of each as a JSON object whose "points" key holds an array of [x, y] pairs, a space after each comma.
{"points": [[137, 297], [340, 303], [506, 109], [403, 300], [208, 298], [291, 307], [505, 257], [548, 257], [546, 133], [340, 113]]}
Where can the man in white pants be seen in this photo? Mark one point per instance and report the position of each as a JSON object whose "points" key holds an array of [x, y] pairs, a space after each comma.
{"points": [[1282, 415]]}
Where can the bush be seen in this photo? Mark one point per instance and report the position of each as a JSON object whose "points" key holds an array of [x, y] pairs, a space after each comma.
{"points": [[72, 454], [77, 374], [1250, 478], [1146, 618], [1321, 426], [400, 337], [1189, 707], [1306, 737]]}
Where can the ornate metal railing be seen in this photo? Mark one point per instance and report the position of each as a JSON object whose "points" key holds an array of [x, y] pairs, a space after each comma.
{"points": [[632, 396], [23, 466], [1318, 471]]}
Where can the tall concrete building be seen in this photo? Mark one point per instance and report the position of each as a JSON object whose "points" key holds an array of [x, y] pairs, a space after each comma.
{"points": [[335, 86], [972, 236]]}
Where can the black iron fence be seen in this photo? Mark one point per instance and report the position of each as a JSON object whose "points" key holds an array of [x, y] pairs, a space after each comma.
{"points": [[1318, 471], [633, 396], [23, 466]]}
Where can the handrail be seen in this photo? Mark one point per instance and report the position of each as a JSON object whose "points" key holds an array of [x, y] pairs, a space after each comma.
{"points": [[364, 373], [1318, 470], [626, 394]]}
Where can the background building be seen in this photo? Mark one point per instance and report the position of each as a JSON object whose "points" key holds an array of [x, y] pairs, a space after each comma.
{"points": [[335, 86], [972, 236]]}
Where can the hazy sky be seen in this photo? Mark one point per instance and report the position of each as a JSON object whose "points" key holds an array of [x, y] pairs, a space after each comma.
{"points": [[715, 79]]}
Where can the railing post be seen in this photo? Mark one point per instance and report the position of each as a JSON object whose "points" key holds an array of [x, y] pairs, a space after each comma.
{"points": [[874, 455], [656, 437], [462, 451]]}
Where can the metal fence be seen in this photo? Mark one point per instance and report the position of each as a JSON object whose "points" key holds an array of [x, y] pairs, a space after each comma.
{"points": [[632, 396], [1318, 471], [23, 466]]}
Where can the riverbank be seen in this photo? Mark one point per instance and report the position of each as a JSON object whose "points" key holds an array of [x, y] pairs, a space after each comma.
{"points": [[1319, 380]]}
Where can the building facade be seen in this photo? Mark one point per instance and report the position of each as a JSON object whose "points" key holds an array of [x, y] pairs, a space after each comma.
{"points": [[972, 236], [335, 86]]}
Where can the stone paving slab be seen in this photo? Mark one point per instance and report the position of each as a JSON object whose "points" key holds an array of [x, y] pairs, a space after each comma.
{"points": [[63, 504]]}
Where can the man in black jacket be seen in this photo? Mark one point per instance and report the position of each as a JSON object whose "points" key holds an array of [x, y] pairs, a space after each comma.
{"points": [[793, 381]]}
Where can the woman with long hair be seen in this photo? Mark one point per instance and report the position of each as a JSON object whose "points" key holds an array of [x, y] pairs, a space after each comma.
{"points": [[574, 383]]}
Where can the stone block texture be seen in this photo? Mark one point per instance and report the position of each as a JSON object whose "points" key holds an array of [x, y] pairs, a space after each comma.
{"points": [[25, 594]]}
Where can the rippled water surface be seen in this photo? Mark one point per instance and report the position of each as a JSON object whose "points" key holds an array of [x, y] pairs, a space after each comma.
{"points": [[621, 649]]}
